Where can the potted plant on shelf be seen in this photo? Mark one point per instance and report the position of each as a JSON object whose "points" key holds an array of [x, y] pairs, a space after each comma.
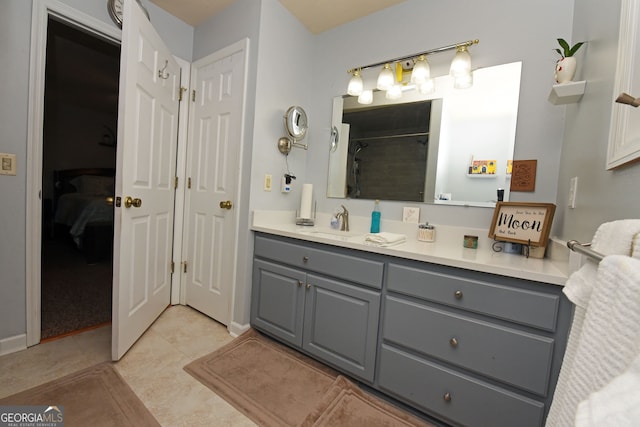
{"points": [[566, 65]]}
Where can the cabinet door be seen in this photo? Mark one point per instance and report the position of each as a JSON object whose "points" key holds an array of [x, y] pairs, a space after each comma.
{"points": [[341, 325], [277, 305]]}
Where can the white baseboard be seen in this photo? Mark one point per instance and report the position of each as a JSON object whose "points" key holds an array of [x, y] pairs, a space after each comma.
{"points": [[236, 329], [13, 344]]}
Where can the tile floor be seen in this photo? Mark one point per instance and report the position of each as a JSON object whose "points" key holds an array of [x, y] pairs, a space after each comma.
{"points": [[152, 368]]}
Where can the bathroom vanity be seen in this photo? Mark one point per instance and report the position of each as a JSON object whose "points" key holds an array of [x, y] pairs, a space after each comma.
{"points": [[467, 347]]}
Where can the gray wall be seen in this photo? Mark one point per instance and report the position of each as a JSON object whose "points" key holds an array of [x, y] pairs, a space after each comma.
{"points": [[15, 29], [602, 195]]}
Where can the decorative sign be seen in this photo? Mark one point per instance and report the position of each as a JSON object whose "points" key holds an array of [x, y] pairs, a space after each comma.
{"points": [[523, 176], [526, 223]]}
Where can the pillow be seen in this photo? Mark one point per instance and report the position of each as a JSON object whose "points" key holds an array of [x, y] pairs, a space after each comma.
{"points": [[93, 184]]}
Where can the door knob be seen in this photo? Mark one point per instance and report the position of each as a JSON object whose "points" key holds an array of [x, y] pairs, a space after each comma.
{"points": [[129, 201], [225, 204]]}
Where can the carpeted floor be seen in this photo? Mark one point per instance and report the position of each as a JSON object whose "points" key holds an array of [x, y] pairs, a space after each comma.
{"points": [[277, 386], [75, 295], [96, 396]]}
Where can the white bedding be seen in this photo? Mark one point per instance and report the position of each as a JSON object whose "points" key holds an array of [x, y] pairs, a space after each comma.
{"points": [[76, 210]]}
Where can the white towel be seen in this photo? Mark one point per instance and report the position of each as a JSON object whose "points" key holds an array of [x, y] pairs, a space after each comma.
{"points": [[611, 238], [384, 239], [615, 405], [608, 340]]}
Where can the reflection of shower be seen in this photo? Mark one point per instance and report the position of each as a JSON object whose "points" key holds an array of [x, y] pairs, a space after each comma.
{"points": [[355, 167]]}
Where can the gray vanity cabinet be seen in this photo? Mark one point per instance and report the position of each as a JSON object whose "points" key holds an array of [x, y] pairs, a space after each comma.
{"points": [[325, 302], [466, 347], [488, 349]]}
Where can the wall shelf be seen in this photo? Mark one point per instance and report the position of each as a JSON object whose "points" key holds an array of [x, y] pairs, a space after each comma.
{"points": [[481, 175], [567, 93]]}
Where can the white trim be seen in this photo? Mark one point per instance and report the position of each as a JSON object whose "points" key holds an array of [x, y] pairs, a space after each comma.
{"points": [[236, 329], [13, 344], [624, 147], [178, 295], [42, 9], [244, 46]]}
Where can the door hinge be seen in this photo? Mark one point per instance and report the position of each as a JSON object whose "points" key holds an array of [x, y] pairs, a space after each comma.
{"points": [[189, 182], [180, 92], [173, 267], [184, 266], [175, 183], [193, 95]]}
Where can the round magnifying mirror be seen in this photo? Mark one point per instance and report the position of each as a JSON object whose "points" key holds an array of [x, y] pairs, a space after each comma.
{"points": [[295, 121]]}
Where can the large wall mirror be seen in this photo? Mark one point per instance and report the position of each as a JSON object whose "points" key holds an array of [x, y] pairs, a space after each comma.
{"points": [[423, 148]]}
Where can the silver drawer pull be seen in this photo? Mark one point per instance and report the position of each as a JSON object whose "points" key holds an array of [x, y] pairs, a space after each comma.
{"points": [[458, 294], [454, 342], [308, 286], [300, 283], [447, 397], [305, 258]]}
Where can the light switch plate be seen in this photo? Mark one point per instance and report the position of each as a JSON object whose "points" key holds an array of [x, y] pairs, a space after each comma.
{"points": [[411, 215], [7, 164]]}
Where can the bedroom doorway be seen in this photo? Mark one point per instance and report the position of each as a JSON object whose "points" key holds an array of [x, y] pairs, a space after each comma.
{"points": [[78, 167]]}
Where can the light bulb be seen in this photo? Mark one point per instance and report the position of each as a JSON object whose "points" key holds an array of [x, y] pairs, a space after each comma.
{"points": [[461, 63], [385, 78], [394, 92], [463, 81], [421, 71], [366, 97], [355, 84], [428, 86]]}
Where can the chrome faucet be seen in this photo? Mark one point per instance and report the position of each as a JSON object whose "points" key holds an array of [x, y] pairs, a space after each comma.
{"points": [[344, 217]]}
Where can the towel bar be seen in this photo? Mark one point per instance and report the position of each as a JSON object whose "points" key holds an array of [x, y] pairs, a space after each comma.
{"points": [[582, 248]]}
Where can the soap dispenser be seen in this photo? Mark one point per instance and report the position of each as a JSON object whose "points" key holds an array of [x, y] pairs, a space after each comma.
{"points": [[375, 217]]}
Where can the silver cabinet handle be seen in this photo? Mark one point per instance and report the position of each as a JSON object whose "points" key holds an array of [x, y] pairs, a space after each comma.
{"points": [[458, 294], [454, 342], [305, 258], [447, 397], [300, 283]]}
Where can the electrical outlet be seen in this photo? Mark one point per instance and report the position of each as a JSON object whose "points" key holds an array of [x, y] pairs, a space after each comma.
{"points": [[267, 182], [573, 189]]}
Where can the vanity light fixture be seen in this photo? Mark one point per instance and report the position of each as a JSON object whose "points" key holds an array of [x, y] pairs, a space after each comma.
{"points": [[366, 97], [355, 84], [460, 70], [385, 78]]}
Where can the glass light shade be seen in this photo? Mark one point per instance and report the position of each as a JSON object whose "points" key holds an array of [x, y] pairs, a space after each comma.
{"points": [[428, 86], [355, 84], [385, 78], [394, 92], [421, 71], [366, 97], [463, 81], [461, 63]]}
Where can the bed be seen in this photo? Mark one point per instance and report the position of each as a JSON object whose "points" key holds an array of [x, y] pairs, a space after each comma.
{"points": [[83, 208]]}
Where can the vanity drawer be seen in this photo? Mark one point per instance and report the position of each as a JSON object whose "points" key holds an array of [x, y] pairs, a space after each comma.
{"points": [[493, 350], [528, 307], [462, 399], [331, 263]]}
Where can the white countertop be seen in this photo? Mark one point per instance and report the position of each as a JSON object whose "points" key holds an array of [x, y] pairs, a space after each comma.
{"points": [[446, 250]]}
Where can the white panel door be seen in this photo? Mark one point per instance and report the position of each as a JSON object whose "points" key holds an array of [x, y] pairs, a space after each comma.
{"points": [[146, 162], [216, 123]]}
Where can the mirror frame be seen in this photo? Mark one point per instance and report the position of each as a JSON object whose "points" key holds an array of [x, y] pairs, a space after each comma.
{"points": [[295, 122]]}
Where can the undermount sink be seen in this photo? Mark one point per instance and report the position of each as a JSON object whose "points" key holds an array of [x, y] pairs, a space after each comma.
{"points": [[329, 233]]}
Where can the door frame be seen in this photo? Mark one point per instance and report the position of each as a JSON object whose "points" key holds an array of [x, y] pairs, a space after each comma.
{"points": [[40, 14], [42, 10]]}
